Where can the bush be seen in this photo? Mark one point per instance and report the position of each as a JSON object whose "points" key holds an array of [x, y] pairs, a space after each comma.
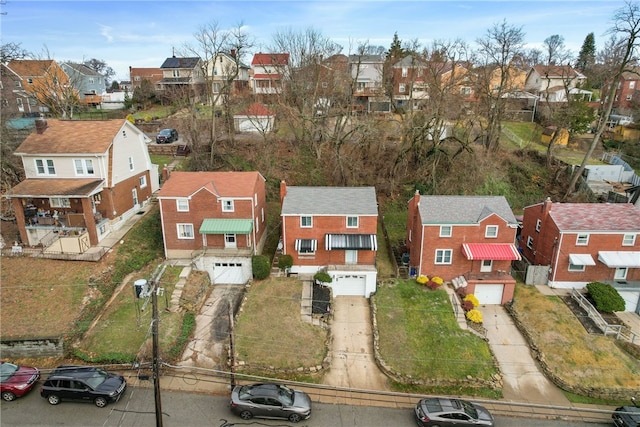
{"points": [[461, 292], [474, 315], [322, 277], [605, 297], [188, 325], [467, 305], [285, 261], [433, 285], [261, 267], [438, 280], [422, 279], [473, 299]]}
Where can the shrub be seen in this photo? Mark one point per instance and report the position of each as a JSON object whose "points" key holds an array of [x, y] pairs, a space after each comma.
{"points": [[467, 305], [261, 267], [438, 280], [474, 316], [433, 285], [188, 325], [285, 261], [461, 292], [605, 297], [422, 279], [473, 299], [323, 277]]}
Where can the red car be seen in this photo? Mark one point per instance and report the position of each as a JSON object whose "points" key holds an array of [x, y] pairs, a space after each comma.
{"points": [[16, 381]]}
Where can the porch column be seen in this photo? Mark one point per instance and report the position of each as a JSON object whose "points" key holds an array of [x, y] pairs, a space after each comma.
{"points": [[89, 220], [18, 209]]}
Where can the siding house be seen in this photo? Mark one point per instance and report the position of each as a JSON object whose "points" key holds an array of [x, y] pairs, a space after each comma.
{"points": [[551, 83], [83, 179], [256, 118], [216, 219], [466, 239], [332, 229], [585, 242], [269, 71], [89, 84]]}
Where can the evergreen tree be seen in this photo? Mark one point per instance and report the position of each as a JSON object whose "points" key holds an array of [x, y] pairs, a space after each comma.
{"points": [[396, 51], [587, 55]]}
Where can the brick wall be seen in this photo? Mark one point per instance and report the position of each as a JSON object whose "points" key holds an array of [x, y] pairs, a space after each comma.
{"points": [[122, 193]]}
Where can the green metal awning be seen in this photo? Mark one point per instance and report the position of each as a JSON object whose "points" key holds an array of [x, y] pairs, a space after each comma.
{"points": [[226, 226]]}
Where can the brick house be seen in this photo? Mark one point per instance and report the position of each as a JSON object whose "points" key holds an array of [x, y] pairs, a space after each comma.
{"points": [[332, 229], [83, 179], [585, 242], [467, 239], [218, 219]]}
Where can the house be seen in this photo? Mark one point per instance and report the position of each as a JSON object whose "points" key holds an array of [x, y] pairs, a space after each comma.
{"points": [[215, 219], [82, 179], [627, 97], [89, 83], [43, 80], [551, 83], [182, 77], [585, 242], [150, 75], [409, 78], [229, 76], [113, 100], [332, 229], [367, 74], [464, 239], [256, 118], [326, 83], [269, 71], [17, 103]]}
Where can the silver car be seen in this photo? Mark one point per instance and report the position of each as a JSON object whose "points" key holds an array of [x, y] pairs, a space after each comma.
{"points": [[444, 412], [270, 401]]}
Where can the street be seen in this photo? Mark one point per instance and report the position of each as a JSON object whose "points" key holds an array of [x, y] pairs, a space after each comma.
{"points": [[137, 408]]}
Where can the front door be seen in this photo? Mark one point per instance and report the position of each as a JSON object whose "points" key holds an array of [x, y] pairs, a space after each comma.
{"points": [[230, 241]]}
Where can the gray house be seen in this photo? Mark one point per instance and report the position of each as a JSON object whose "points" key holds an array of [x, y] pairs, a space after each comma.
{"points": [[89, 83]]}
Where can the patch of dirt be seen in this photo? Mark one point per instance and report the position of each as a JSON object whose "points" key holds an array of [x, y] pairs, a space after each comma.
{"points": [[588, 324]]}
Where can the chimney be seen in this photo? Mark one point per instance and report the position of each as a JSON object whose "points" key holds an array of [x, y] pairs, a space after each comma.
{"points": [[41, 125], [283, 190], [546, 207], [165, 173], [233, 53]]}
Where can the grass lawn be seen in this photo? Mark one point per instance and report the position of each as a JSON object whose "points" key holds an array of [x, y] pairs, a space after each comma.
{"points": [[270, 332], [419, 335], [579, 358]]}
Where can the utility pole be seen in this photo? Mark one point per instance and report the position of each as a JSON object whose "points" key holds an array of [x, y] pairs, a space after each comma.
{"points": [[156, 367]]}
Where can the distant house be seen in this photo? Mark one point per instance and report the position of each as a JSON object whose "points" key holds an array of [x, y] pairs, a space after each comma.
{"points": [[552, 83], [215, 219], [627, 96], [152, 75], [256, 118], [42, 80], [182, 77], [268, 72], [466, 239], [332, 229], [113, 100], [223, 68], [83, 179], [367, 73], [17, 103], [586, 242], [89, 83]]}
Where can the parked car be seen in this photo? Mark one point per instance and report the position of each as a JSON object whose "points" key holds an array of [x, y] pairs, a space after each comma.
{"points": [[270, 401], [627, 416], [167, 136], [446, 412], [16, 381], [83, 383]]}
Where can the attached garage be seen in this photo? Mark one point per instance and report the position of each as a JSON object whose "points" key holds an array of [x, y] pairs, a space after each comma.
{"points": [[489, 294], [228, 273], [349, 284]]}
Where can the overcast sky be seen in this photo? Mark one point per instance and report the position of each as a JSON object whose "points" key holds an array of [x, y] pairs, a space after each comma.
{"points": [[143, 33]]}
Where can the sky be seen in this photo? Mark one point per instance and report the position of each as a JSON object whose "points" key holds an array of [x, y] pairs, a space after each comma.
{"points": [[130, 33]]}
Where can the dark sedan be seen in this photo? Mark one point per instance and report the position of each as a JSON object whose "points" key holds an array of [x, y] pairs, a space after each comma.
{"points": [[444, 412], [270, 401], [16, 381]]}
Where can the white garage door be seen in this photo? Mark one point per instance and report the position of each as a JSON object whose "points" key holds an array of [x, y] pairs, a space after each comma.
{"points": [[228, 273], [347, 284], [489, 294], [630, 300]]}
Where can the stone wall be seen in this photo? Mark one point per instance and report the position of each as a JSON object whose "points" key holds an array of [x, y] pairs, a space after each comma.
{"points": [[31, 347]]}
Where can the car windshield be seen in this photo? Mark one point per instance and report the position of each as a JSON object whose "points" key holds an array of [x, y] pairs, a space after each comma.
{"points": [[470, 410], [287, 395], [165, 132], [7, 370], [98, 378]]}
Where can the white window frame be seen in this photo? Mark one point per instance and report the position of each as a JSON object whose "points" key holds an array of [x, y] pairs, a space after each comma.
{"points": [[632, 84], [620, 273], [405, 71], [488, 232], [143, 181], [302, 221], [486, 266], [185, 231], [402, 88], [628, 240], [538, 224], [530, 242], [582, 239], [83, 167], [59, 202], [575, 268], [182, 205], [255, 199], [443, 254], [227, 205], [45, 167], [131, 165], [443, 230], [350, 219], [230, 240]]}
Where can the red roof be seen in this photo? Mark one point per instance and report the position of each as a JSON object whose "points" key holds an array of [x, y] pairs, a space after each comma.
{"points": [[256, 109], [270, 59], [493, 251], [273, 76], [222, 184]]}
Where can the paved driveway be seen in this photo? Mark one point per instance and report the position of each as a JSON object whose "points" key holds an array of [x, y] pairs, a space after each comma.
{"points": [[352, 361], [523, 379]]}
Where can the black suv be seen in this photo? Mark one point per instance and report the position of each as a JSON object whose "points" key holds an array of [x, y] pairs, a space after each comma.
{"points": [[627, 416], [167, 136], [84, 383]]}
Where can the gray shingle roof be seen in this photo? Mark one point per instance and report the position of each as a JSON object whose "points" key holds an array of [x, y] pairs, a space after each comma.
{"points": [[463, 209], [330, 201]]}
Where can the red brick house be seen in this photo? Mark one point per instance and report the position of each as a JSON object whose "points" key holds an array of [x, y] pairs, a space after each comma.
{"points": [[218, 219], [332, 229], [83, 179], [465, 239], [585, 242]]}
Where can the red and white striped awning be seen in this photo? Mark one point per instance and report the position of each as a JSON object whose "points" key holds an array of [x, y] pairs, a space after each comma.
{"points": [[493, 251]]}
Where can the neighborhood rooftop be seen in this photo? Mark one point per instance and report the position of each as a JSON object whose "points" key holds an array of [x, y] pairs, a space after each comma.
{"points": [[231, 184], [330, 201], [596, 216], [463, 209]]}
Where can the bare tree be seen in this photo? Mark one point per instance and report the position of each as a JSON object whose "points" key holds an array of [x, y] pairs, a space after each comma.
{"points": [[11, 50], [554, 49], [621, 52], [100, 66]]}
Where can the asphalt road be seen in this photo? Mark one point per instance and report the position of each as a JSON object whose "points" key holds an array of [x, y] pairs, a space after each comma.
{"points": [[137, 408]]}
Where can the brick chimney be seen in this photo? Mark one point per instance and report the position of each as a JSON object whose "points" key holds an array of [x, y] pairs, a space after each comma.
{"points": [[283, 190], [546, 207], [233, 53], [41, 125], [165, 173]]}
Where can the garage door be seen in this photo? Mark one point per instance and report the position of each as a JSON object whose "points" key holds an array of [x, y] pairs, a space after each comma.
{"points": [[347, 284], [228, 273], [489, 294], [630, 300]]}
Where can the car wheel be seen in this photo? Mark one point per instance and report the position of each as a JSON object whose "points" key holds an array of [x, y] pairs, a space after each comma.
{"points": [[100, 402], [246, 415], [294, 418], [8, 396], [53, 399]]}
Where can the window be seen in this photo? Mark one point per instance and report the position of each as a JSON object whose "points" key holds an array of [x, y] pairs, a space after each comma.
{"points": [[216, 88], [491, 231], [306, 222], [405, 71], [445, 231], [443, 256], [59, 202], [629, 97], [582, 240], [83, 167], [29, 80], [130, 163], [255, 200], [136, 78], [401, 88], [18, 84], [182, 205], [20, 104], [465, 91], [91, 80], [143, 181], [350, 257], [325, 85], [227, 205], [175, 73], [538, 225], [486, 266], [185, 231], [628, 240], [530, 242], [45, 167], [632, 85], [573, 267], [352, 222], [229, 240], [620, 274]]}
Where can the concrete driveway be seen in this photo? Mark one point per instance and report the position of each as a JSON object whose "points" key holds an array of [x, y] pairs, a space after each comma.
{"points": [[523, 379], [352, 361]]}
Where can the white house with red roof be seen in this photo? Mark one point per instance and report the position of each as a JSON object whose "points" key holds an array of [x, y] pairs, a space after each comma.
{"points": [[586, 242], [216, 219], [268, 72], [256, 118]]}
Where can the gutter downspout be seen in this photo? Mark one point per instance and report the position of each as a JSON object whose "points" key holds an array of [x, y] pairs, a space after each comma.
{"points": [[554, 265]]}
